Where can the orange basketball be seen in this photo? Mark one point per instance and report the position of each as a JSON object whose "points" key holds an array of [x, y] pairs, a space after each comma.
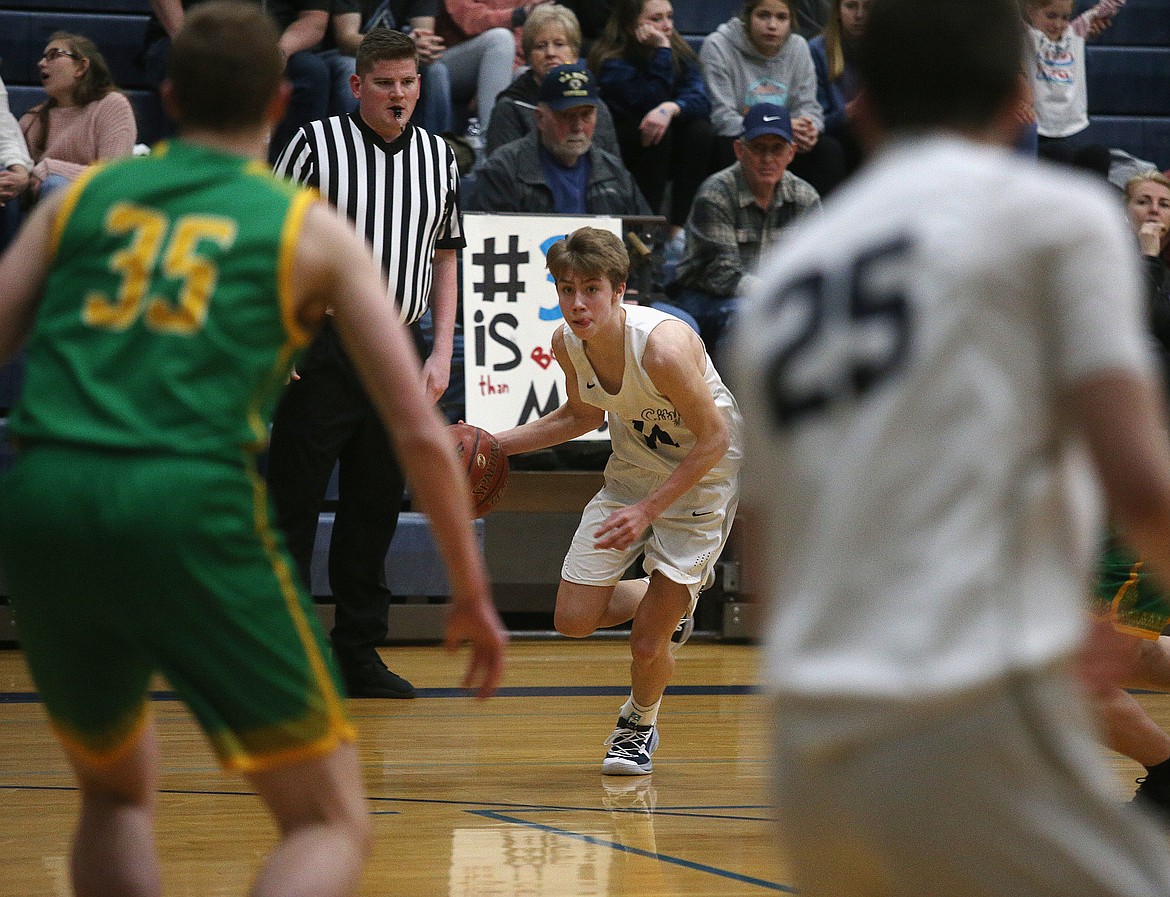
{"points": [[485, 463]]}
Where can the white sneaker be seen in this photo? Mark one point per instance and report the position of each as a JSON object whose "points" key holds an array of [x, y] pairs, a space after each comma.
{"points": [[630, 748]]}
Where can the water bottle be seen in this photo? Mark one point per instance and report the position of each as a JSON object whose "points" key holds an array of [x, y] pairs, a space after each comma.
{"points": [[475, 140]]}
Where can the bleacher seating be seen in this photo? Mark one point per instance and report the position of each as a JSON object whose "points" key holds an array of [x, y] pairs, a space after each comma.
{"points": [[118, 35], [1128, 66], [413, 567], [1141, 23], [1129, 81], [116, 26]]}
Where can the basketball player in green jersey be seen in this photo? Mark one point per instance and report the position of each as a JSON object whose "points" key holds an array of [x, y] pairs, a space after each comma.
{"points": [[164, 300]]}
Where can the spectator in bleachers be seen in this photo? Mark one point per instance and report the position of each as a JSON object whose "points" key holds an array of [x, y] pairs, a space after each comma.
{"points": [[756, 58], [653, 84], [556, 168], [483, 49], [739, 213], [302, 25], [351, 20], [15, 167], [1166, 245], [85, 119], [1147, 200], [551, 37], [833, 60], [1056, 68]]}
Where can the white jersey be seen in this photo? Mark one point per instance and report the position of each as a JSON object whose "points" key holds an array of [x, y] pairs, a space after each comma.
{"points": [[645, 428], [930, 512]]}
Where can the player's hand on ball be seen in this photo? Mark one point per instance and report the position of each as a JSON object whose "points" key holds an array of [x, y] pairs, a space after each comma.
{"points": [[485, 463]]}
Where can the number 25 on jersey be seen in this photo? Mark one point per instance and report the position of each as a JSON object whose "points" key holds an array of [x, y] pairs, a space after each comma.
{"points": [[846, 329]]}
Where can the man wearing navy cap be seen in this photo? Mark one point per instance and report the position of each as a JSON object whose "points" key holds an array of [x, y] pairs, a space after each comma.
{"points": [[556, 168], [738, 213]]}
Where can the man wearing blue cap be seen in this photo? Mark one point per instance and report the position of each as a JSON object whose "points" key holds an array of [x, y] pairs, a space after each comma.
{"points": [[556, 168], [738, 213]]}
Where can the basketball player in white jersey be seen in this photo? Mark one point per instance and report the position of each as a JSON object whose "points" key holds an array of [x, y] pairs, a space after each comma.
{"points": [[940, 379], [671, 485]]}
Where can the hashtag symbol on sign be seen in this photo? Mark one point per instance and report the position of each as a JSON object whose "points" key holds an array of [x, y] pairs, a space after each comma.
{"points": [[489, 260]]}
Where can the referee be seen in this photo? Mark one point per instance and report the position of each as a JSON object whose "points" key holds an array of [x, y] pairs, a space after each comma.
{"points": [[398, 185]]}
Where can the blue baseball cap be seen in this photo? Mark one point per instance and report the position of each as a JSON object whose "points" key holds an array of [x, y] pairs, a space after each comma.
{"points": [[767, 118], [567, 86]]}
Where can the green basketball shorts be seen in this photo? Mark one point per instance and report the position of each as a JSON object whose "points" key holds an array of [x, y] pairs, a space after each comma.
{"points": [[123, 565], [1129, 596]]}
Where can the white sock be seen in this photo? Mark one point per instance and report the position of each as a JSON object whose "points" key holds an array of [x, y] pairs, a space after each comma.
{"points": [[637, 715]]}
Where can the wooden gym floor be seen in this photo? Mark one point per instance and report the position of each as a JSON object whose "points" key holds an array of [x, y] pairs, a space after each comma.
{"points": [[470, 799]]}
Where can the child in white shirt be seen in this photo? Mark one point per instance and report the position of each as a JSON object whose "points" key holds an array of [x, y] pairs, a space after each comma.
{"points": [[1056, 68]]}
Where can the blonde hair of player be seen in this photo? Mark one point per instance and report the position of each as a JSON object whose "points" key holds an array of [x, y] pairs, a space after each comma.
{"points": [[590, 251]]}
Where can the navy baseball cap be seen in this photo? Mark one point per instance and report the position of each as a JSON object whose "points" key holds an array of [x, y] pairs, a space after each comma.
{"points": [[767, 118], [567, 86]]}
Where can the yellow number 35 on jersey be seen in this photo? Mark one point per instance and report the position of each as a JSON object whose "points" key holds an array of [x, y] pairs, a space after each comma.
{"points": [[180, 260]]}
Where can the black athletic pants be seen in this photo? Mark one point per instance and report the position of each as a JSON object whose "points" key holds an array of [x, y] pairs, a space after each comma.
{"points": [[326, 418]]}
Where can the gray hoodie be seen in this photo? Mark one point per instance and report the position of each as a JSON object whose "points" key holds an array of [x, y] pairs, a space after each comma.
{"points": [[739, 76]]}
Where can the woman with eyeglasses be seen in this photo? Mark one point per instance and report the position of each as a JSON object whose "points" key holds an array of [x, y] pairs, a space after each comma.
{"points": [[85, 119]]}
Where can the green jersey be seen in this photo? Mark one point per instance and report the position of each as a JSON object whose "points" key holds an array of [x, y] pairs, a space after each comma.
{"points": [[167, 323]]}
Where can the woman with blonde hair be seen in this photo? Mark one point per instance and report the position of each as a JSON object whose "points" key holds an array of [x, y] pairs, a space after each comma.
{"points": [[84, 120], [551, 37], [1147, 202], [837, 82]]}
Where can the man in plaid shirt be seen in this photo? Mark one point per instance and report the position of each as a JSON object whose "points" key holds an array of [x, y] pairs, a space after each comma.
{"points": [[739, 213]]}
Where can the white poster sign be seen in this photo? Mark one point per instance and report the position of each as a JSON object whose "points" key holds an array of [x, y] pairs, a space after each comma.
{"points": [[510, 312]]}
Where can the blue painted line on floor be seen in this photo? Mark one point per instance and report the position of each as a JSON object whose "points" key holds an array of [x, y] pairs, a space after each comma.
{"points": [[519, 691], [682, 810], [625, 848], [692, 812]]}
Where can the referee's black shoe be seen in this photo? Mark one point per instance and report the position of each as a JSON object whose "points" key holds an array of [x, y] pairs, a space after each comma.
{"points": [[373, 680]]}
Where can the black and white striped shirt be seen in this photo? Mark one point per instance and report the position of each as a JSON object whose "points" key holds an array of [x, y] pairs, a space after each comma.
{"points": [[402, 196]]}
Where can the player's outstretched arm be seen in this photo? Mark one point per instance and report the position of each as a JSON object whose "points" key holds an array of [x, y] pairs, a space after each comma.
{"points": [[572, 419], [333, 268], [23, 269], [675, 360]]}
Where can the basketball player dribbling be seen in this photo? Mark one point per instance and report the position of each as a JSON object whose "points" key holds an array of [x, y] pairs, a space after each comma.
{"points": [[671, 485]]}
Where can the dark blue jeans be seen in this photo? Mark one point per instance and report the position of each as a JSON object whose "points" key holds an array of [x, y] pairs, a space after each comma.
{"points": [[712, 313]]}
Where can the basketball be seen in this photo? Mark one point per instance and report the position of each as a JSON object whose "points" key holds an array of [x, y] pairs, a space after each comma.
{"points": [[485, 463]]}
